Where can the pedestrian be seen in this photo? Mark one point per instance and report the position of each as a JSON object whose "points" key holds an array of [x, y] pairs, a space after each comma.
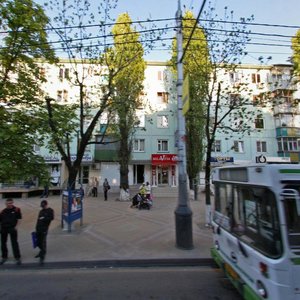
{"points": [[45, 193], [148, 190], [95, 187], [9, 220], [106, 187], [142, 190], [46, 215]]}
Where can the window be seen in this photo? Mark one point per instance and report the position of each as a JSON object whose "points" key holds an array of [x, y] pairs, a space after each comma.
{"points": [[259, 123], [42, 72], [65, 96], [234, 99], [139, 145], [238, 146], [251, 214], [288, 144], [216, 147], [162, 121], [84, 175], [162, 97], [162, 145], [261, 146], [234, 77], [64, 73], [255, 78], [140, 118], [59, 96], [160, 75]]}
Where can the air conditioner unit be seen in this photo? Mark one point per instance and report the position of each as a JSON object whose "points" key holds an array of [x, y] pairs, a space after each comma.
{"points": [[96, 166]]}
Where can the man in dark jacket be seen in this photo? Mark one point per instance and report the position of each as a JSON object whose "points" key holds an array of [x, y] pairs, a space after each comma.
{"points": [[9, 219], [46, 215]]}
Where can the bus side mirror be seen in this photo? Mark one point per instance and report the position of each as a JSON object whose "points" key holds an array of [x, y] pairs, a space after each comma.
{"points": [[292, 194]]}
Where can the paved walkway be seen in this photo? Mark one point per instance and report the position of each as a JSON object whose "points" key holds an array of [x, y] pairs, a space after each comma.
{"points": [[112, 230]]}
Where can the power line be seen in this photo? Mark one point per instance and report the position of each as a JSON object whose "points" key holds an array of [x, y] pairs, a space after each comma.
{"points": [[81, 26], [167, 29], [194, 28]]}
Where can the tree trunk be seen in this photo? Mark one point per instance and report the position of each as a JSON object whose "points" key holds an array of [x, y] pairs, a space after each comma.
{"points": [[72, 177], [207, 186]]}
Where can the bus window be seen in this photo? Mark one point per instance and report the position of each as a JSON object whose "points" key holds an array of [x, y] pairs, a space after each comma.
{"points": [[237, 213], [261, 220], [292, 217], [250, 210], [223, 203]]}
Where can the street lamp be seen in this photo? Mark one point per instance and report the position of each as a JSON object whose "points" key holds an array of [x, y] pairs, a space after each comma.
{"points": [[183, 213]]}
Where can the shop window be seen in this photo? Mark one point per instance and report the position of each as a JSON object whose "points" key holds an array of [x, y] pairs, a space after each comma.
{"points": [[84, 175]]}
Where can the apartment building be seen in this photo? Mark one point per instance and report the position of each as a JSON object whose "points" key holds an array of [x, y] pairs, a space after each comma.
{"points": [[276, 135]]}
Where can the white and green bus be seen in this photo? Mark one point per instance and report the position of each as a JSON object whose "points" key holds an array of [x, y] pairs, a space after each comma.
{"points": [[256, 228]]}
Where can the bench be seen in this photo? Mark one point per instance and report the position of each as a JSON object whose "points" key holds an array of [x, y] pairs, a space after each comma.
{"points": [[22, 192]]}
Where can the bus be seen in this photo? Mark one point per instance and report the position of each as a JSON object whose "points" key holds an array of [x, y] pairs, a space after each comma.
{"points": [[256, 229]]}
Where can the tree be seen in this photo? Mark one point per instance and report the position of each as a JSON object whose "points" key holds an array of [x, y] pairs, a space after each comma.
{"points": [[24, 40], [296, 52], [229, 107], [126, 56], [197, 69], [77, 33]]}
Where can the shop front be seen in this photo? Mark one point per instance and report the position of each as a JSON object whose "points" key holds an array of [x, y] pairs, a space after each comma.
{"points": [[164, 169]]}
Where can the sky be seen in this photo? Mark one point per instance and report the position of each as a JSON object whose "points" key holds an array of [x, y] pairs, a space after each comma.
{"points": [[279, 14], [273, 12]]}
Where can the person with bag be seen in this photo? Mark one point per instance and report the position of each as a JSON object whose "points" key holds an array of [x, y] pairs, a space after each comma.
{"points": [[46, 215], [106, 187], [9, 220]]}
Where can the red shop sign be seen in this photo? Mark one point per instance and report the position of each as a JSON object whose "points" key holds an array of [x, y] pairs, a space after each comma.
{"points": [[164, 159]]}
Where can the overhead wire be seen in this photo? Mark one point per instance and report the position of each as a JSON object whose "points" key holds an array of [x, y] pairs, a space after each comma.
{"points": [[192, 32], [167, 29]]}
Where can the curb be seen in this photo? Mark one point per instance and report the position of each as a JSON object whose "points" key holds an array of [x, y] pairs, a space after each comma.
{"points": [[132, 263]]}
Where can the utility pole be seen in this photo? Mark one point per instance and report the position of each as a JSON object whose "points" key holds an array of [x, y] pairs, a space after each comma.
{"points": [[183, 213]]}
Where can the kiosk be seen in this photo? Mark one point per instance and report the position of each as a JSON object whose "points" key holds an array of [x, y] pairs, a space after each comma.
{"points": [[71, 207]]}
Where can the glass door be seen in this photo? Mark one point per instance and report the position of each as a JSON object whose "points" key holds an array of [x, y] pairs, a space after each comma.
{"points": [[163, 175]]}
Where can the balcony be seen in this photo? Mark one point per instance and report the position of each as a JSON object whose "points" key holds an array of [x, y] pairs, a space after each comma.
{"points": [[287, 108], [288, 132]]}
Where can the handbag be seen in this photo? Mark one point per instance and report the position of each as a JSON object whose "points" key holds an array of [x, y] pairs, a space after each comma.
{"points": [[34, 239]]}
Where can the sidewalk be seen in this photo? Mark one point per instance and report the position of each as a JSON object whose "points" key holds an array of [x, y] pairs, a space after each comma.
{"points": [[112, 230]]}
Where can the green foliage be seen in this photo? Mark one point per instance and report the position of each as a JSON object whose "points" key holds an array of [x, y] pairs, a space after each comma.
{"points": [[296, 52], [126, 58], [24, 41], [197, 67]]}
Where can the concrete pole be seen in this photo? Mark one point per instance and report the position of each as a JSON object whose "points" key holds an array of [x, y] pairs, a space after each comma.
{"points": [[183, 213]]}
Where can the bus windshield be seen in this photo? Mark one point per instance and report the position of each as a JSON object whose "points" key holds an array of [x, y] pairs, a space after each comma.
{"points": [[250, 213], [291, 196]]}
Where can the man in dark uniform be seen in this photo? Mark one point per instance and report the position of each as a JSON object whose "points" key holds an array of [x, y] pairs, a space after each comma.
{"points": [[46, 215], [9, 219]]}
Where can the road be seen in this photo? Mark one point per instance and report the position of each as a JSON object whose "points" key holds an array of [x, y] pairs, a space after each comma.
{"points": [[163, 283]]}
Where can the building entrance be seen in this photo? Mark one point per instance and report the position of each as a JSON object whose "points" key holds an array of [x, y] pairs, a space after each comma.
{"points": [[163, 175], [139, 173]]}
